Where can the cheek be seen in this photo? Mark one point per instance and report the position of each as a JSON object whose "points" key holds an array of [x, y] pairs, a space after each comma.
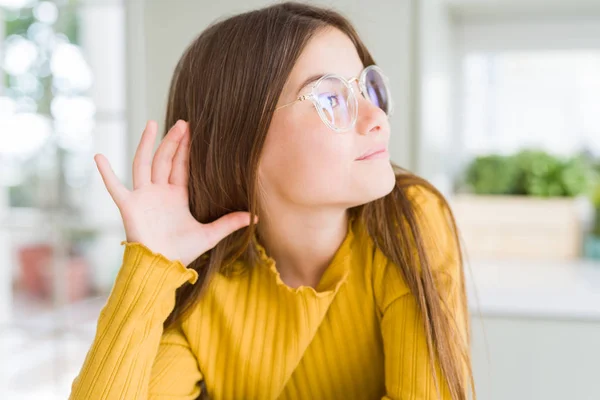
{"points": [[306, 161]]}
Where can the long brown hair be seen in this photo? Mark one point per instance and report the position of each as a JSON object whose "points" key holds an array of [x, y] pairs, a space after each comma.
{"points": [[226, 85]]}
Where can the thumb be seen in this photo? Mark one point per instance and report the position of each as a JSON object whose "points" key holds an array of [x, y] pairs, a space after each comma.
{"points": [[225, 226]]}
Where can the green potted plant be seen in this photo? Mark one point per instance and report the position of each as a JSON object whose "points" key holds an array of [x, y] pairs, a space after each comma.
{"points": [[523, 205], [592, 240]]}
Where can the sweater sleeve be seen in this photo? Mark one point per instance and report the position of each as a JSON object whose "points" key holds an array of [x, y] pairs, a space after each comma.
{"points": [[131, 357], [408, 374]]}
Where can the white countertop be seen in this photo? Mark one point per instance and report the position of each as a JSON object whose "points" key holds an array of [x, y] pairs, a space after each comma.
{"points": [[534, 289]]}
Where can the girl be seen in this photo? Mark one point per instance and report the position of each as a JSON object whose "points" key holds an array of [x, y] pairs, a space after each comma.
{"points": [[272, 249]]}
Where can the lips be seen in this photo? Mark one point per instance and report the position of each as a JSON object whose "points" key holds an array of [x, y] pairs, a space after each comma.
{"points": [[373, 152]]}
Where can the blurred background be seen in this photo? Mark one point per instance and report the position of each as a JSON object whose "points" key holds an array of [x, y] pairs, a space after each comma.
{"points": [[498, 104]]}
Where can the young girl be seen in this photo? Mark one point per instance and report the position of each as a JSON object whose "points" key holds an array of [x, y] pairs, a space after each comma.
{"points": [[272, 249]]}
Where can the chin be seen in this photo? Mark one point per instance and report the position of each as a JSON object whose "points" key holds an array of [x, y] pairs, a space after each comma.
{"points": [[373, 189]]}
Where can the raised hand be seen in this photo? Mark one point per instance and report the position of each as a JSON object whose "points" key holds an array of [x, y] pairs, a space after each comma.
{"points": [[156, 212]]}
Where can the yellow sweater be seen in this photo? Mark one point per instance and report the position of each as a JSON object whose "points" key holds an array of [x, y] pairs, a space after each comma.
{"points": [[357, 335]]}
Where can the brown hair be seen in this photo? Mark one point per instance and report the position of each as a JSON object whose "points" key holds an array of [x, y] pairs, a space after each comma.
{"points": [[226, 85]]}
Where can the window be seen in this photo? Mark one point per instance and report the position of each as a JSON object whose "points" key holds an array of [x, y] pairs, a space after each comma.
{"points": [[547, 99], [62, 99], [528, 83]]}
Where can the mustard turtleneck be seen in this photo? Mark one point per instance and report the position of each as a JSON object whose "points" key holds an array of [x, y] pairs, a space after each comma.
{"points": [[357, 335]]}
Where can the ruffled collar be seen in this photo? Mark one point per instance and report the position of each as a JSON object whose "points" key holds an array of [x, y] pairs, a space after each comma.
{"points": [[334, 276]]}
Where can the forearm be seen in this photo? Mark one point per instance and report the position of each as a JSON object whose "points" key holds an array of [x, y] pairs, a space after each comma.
{"points": [[119, 362]]}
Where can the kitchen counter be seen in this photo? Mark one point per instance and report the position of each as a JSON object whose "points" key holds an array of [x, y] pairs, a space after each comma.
{"points": [[535, 289]]}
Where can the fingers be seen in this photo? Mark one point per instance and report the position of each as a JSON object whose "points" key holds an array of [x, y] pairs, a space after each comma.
{"points": [[114, 186], [163, 159], [179, 173], [224, 226], [142, 162]]}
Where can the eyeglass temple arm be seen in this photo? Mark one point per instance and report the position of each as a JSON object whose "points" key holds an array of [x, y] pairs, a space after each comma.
{"points": [[301, 98]]}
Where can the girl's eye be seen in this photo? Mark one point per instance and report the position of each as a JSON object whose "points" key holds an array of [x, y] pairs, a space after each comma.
{"points": [[333, 100]]}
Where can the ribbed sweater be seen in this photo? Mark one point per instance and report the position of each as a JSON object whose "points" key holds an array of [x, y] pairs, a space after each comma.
{"points": [[357, 335]]}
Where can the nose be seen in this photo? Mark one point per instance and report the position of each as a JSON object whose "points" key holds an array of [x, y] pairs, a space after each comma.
{"points": [[370, 118]]}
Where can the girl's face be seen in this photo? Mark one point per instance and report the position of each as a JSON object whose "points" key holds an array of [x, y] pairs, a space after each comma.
{"points": [[307, 164]]}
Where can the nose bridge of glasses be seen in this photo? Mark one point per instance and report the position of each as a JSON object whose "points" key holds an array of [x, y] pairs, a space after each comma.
{"points": [[353, 80]]}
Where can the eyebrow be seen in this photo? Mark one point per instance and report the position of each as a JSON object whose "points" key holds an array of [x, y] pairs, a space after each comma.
{"points": [[308, 81]]}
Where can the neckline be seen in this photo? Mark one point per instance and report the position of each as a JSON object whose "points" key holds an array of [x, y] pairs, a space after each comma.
{"points": [[332, 279]]}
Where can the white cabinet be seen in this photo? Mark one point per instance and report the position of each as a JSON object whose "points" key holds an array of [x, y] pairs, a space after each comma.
{"points": [[536, 330]]}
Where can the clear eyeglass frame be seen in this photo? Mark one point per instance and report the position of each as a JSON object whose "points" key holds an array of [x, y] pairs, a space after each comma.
{"points": [[362, 85]]}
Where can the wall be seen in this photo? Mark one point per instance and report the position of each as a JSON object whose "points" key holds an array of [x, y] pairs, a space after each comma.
{"points": [[435, 57], [535, 359]]}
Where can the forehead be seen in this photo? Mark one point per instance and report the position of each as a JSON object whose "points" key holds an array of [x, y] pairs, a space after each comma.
{"points": [[329, 51]]}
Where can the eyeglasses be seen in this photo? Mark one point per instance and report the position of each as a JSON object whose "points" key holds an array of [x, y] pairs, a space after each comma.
{"points": [[335, 100]]}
